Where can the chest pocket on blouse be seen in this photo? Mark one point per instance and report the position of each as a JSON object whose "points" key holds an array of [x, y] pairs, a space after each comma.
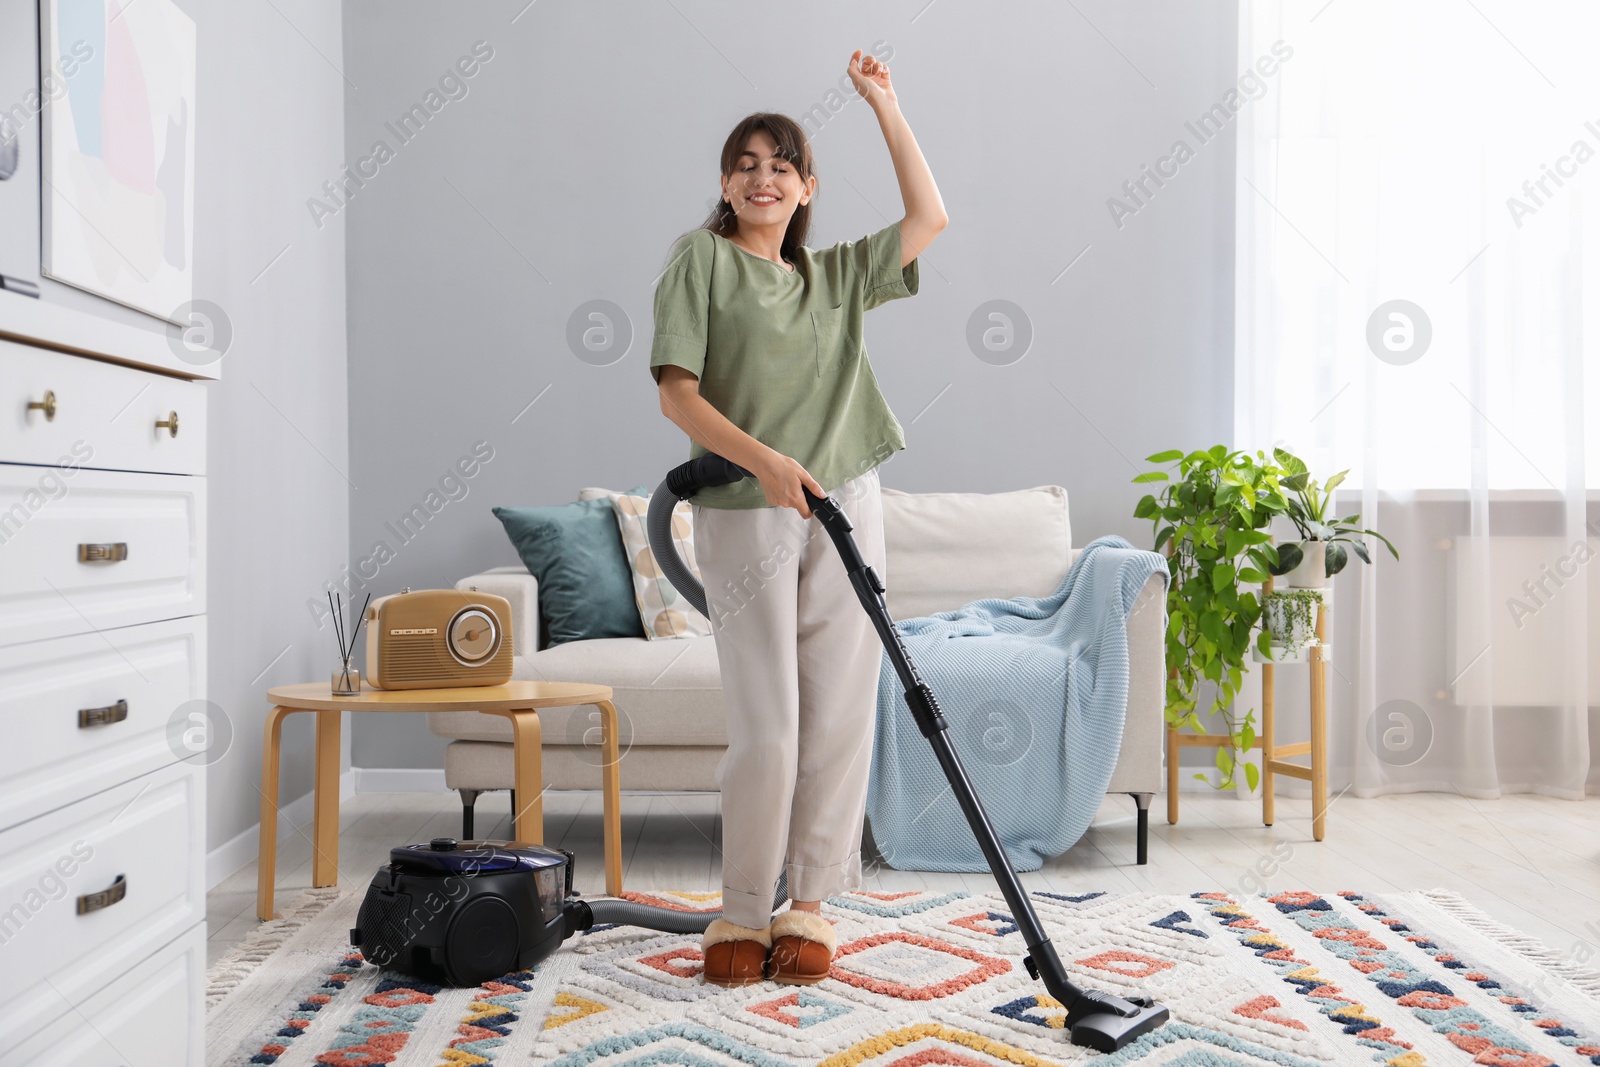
{"points": [[828, 324]]}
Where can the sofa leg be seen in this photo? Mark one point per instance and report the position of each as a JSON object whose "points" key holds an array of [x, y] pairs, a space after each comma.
{"points": [[1142, 845], [469, 797]]}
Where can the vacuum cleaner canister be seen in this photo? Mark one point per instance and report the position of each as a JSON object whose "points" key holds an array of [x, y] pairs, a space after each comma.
{"points": [[463, 913]]}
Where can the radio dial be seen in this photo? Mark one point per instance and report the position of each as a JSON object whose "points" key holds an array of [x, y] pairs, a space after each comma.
{"points": [[474, 637]]}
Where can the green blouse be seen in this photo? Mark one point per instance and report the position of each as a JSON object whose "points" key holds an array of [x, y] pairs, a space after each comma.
{"points": [[780, 352]]}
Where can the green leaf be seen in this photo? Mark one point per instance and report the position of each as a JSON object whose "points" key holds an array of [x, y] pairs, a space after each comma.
{"points": [[1221, 576], [1250, 574], [1252, 776], [1170, 456], [1360, 549], [1289, 461], [1224, 759], [1161, 538], [1385, 540], [1146, 508], [1289, 557], [1336, 557], [1152, 476], [1247, 739], [1329, 485]]}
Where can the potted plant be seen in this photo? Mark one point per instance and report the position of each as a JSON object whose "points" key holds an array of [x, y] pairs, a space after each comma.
{"points": [[1289, 618], [1211, 516], [1320, 552]]}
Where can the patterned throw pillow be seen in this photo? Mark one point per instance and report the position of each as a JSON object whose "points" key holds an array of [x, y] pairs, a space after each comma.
{"points": [[663, 610]]}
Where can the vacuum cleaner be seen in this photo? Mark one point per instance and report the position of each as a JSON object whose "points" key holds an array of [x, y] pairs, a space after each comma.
{"points": [[469, 912]]}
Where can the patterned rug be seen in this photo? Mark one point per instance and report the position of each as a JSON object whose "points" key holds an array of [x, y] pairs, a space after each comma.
{"points": [[930, 979]]}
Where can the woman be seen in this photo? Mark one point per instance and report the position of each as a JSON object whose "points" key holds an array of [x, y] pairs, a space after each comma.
{"points": [[758, 357]]}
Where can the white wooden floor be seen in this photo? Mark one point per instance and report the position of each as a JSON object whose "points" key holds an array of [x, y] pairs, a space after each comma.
{"points": [[1532, 862]]}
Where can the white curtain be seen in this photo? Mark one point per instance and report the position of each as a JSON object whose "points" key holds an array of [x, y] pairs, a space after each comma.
{"points": [[1417, 272]]}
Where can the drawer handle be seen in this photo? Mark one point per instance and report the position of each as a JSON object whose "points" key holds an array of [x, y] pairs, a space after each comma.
{"points": [[47, 405], [105, 898], [103, 553], [170, 423], [105, 716]]}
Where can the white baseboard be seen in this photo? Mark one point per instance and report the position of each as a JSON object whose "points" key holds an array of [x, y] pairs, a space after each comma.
{"points": [[228, 857], [431, 780], [400, 779]]}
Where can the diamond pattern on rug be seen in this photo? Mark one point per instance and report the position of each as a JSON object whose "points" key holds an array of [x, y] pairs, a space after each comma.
{"points": [[912, 966], [927, 979]]}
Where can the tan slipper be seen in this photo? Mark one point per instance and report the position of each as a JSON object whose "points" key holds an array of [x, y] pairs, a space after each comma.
{"points": [[803, 945], [735, 955]]}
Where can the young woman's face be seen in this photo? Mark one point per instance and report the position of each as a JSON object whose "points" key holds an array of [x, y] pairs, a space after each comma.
{"points": [[763, 189]]}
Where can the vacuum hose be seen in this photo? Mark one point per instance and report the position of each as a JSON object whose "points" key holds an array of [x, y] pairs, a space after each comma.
{"points": [[582, 914], [680, 483]]}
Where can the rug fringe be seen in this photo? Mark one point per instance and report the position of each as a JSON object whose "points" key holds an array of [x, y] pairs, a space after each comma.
{"points": [[1529, 947], [224, 976]]}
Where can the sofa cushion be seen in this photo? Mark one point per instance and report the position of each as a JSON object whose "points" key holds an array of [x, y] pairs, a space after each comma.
{"points": [[666, 693], [665, 612], [945, 550], [585, 583]]}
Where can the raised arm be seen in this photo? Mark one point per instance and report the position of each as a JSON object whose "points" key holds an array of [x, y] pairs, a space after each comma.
{"points": [[925, 216]]}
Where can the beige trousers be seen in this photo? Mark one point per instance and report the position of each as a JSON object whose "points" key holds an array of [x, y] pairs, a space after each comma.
{"points": [[799, 659]]}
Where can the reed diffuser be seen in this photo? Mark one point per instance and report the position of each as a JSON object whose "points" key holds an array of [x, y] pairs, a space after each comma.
{"points": [[346, 679]]}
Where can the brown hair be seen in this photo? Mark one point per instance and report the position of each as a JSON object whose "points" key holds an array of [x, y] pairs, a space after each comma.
{"points": [[793, 146]]}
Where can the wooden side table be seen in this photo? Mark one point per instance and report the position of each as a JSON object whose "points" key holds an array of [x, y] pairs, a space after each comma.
{"points": [[1273, 755], [518, 701]]}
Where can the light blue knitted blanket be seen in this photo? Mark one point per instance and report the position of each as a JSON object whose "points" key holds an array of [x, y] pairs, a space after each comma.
{"points": [[1035, 690]]}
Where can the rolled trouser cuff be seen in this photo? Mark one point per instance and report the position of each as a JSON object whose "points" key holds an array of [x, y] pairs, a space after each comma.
{"points": [[820, 883]]}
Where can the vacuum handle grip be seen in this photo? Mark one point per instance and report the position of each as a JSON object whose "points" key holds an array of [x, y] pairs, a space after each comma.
{"points": [[689, 477], [712, 469]]}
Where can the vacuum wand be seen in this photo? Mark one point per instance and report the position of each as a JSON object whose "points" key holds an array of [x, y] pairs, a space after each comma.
{"points": [[1095, 1019]]}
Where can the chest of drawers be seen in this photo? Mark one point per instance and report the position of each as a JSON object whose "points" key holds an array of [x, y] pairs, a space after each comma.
{"points": [[102, 670]]}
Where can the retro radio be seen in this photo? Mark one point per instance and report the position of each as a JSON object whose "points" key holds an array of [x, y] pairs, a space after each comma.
{"points": [[438, 639]]}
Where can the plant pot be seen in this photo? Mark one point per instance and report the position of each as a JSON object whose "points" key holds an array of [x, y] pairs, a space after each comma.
{"points": [[1312, 571], [1290, 618]]}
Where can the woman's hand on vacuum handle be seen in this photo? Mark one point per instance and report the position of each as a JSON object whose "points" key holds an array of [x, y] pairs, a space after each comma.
{"points": [[782, 478]]}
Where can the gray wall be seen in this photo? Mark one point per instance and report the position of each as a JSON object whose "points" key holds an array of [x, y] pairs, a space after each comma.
{"points": [[589, 141], [268, 132]]}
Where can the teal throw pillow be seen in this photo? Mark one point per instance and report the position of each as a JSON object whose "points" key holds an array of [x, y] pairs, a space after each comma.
{"points": [[585, 583]]}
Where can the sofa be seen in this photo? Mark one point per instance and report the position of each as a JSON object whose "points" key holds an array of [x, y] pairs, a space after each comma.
{"points": [[943, 550]]}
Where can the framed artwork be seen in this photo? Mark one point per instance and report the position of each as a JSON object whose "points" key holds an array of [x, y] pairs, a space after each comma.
{"points": [[117, 195]]}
